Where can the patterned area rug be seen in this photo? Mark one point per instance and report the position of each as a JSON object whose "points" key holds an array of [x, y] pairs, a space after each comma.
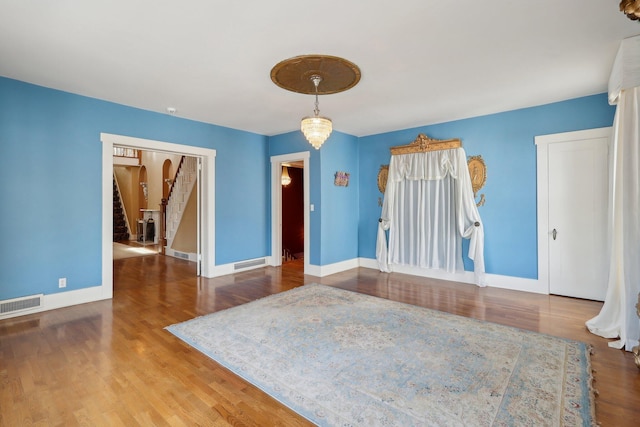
{"points": [[340, 358]]}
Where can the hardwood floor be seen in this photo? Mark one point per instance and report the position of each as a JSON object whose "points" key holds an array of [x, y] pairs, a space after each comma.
{"points": [[111, 363]]}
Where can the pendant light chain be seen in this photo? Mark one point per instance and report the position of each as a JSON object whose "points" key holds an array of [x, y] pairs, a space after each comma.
{"points": [[316, 81]]}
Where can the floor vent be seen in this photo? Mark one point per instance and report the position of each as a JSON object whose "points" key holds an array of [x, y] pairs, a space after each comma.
{"points": [[180, 255], [19, 304], [247, 264]]}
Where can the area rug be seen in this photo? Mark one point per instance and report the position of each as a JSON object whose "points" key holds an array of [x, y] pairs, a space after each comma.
{"points": [[341, 358], [121, 251]]}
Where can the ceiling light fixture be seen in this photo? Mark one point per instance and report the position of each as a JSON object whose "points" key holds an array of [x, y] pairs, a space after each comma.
{"points": [[303, 74], [316, 129], [631, 8]]}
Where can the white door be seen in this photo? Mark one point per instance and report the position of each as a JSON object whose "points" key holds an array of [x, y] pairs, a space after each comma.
{"points": [[577, 225]]}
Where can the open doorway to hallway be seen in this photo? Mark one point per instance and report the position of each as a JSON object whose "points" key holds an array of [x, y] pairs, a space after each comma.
{"points": [[292, 212], [155, 204], [206, 205], [280, 219]]}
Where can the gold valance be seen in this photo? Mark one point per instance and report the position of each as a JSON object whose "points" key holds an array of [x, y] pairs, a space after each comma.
{"points": [[423, 144]]}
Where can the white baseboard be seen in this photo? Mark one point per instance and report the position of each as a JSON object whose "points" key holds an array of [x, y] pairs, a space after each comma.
{"points": [[492, 280], [326, 270]]}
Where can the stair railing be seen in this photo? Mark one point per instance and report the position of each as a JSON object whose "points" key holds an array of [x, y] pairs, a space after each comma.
{"points": [[163, 208]]}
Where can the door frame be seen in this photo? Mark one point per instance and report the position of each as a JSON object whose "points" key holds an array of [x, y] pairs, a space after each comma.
{"points": [[542, 156], [276, 206], [207, 230]]}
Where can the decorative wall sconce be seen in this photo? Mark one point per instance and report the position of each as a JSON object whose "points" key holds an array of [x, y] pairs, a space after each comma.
{"points": [[285, 178]]}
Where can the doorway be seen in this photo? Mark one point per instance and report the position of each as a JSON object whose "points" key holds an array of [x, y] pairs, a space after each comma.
{"points": [[277, 163], [206, 235], [573, 187], [293, 213]]}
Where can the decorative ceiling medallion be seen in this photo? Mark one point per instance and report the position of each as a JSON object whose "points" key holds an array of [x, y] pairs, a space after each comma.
{"points": [[295, 74], [631, 8]]}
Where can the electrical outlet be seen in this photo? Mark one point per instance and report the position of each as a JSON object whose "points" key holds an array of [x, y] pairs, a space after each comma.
{"points": [[62, 282]]}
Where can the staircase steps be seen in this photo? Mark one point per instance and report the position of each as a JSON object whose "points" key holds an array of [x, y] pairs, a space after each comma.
{"points": [[120, 231]]}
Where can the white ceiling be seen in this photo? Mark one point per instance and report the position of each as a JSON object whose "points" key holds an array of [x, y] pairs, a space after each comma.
{"points": [[422, 61]]}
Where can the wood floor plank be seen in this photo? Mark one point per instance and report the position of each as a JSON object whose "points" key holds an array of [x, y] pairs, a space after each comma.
{"points": [[112, 363]]}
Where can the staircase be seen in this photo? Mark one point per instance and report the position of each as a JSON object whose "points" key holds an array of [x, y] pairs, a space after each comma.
{"points": [[120, 230], [185, 180]]}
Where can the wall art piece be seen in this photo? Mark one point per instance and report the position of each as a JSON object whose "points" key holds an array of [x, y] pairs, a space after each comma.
{"points": [[341, 179], [383, 174], [478, 175]]}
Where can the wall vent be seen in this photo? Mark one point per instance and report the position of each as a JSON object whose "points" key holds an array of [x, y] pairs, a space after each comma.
{"points": [[20, 304], [247, 264], [180, 255]]}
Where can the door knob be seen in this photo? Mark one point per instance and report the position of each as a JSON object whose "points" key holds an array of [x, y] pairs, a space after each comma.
{"points": [[554, 233]]}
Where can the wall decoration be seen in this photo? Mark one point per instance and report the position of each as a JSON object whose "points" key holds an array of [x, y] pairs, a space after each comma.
{"points": [[478, 174], [383, 174], [341, 179]]}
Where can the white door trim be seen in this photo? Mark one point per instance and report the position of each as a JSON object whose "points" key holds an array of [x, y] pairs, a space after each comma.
{"points": [[542, 154], [207, 230], [276, 206]]}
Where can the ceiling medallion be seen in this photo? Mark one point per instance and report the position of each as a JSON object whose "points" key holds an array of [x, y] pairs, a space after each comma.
{"points": [[631, 8], [317, 75]]}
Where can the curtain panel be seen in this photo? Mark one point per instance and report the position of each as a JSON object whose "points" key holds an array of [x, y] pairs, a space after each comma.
{"points": [[617, 318], [428, 208]]}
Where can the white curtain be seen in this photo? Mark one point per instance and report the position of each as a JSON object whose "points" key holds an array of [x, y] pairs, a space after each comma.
{"points": [[618, 318], [428, 208]]}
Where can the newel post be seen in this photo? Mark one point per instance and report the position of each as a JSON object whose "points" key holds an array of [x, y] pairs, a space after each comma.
{"points": [[163, 226]]}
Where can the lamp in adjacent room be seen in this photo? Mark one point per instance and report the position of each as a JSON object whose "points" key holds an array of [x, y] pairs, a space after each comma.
{"points": [[285, 179], [316, 75]]}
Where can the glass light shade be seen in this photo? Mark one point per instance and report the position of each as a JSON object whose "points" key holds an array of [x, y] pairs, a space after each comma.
{"points": [[285, 179], [316, 130]]}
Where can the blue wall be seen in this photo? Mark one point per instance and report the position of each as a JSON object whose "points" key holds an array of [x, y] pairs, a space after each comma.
{"points": [[339, 205], [334, 220], [506, 143], [51, 158], [51, 202]]}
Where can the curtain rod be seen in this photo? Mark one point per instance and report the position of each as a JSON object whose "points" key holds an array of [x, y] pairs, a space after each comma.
{"points": [[423, 144]]}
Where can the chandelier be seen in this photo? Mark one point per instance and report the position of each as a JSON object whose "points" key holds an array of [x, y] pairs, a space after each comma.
{"points": [[303, 74], [285, 179], [631, 8], [316, 129]]}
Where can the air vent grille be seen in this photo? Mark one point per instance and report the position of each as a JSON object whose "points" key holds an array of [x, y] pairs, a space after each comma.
{"points": [[181, 255], [247, 264], [19, 304]]}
